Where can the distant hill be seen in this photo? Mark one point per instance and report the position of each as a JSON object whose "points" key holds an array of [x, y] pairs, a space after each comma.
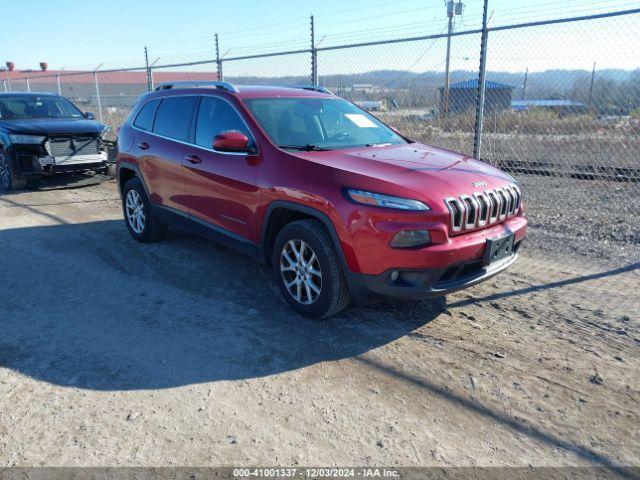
{"points": [[611, 86]]}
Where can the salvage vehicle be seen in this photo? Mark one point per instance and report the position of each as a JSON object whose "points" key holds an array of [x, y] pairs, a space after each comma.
{"points": [[45, 133], [337, 203]]}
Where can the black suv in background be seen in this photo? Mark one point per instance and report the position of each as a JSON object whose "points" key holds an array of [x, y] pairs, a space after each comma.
{"points": [[44, 133]]}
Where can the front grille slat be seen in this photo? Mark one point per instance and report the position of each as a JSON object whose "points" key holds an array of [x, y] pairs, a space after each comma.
{"points": [[471, 218], [483, 208], [457, 211], [504, 204], [72, 146], [495, 206]]}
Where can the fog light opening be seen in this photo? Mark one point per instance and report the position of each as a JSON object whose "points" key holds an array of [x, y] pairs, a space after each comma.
{"points": [[411, 239]]}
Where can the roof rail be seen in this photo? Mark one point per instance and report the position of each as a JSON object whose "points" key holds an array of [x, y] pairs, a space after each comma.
{"points": [[315, 88], [229, 87]]}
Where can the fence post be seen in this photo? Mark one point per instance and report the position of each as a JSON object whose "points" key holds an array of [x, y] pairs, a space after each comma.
{"points": [[28, 85], [447, 78], [477, 142], [314, 55], [95, 78], [4, 85], [148, 69], [218, 61], [58, 82]]}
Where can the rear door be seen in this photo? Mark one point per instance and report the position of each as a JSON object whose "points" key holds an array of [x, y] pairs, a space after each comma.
{"points": [[221, 186], [162, 150]]}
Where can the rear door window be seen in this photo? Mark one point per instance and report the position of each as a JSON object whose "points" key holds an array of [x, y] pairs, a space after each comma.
{"points": [[144, 119], [216, 116], [174, 117]]}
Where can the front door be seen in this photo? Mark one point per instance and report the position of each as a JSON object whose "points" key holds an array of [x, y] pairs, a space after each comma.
{"points": [[221, 186]]}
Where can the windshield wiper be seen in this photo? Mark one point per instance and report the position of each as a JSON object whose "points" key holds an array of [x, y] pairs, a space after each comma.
{"points": [[307, 148]]}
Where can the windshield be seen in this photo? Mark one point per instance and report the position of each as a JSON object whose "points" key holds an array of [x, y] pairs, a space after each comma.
{"points": [[32, 106], [319, 123]]}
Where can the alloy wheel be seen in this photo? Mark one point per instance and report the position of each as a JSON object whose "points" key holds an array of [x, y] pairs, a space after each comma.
{"points": [[135, 211], [301, 272]]}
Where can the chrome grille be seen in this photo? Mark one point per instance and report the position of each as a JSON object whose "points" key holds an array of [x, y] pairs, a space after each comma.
{"points": [[483, 208], [71, 146]]}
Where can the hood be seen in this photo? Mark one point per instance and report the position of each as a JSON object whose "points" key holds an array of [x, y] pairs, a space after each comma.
{"points": [[431, 173], [52, 126]]}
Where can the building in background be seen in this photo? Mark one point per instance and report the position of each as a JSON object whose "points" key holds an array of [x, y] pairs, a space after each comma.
{"points": [[560, 106], [462, 96], [117, 89], [372, 105]]}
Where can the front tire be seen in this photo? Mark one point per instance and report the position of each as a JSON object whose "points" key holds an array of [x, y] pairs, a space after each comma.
{"points": [[307, 269], [9, 178], [142, 223]]}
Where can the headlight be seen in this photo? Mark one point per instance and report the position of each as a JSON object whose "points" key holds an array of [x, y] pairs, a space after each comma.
{"points": [[386, 201], [26, 139]]}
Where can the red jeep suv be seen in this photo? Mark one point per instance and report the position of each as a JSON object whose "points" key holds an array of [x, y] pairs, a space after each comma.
{"points": [[340, 205]]}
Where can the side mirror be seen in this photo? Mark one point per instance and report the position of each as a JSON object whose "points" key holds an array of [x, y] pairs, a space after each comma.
{"points": [[89, 115], [231, 142]]}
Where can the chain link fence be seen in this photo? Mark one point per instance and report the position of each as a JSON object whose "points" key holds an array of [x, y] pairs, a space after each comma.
{"points": [[405, 90], [571, 137], [564, 121]]}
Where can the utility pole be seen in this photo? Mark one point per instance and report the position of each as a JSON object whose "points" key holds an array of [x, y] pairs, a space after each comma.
{"points": [[218, 60], [524, 85], [453, 9], [593, 77]]}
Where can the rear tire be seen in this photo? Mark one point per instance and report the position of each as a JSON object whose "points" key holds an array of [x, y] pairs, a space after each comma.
{"points": [[9, 178], [142, 223], [307, 269]]}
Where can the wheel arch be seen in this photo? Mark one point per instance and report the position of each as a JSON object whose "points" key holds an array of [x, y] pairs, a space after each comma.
{"points": [[280, 213], [125, 172]]}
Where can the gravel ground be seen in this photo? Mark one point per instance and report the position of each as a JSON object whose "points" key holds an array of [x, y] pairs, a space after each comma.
{"points": [[590, 220], [182, 353]]}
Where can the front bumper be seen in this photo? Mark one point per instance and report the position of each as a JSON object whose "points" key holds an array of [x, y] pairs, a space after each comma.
{"points": [[33, 163], [425, 283]]}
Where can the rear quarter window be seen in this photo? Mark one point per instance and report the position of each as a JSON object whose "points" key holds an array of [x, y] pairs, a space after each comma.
{"points": [[144, 119], [174, 117]]}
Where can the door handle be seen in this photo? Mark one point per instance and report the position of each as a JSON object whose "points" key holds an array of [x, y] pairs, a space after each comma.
{"points": [[143, 146], [193, 159]]}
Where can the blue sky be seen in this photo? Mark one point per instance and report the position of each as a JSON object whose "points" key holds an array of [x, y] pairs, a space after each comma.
{"points": [[84, 34]]}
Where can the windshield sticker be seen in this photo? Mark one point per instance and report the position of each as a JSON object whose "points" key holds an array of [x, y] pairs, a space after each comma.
{"points": [[360, 120]]}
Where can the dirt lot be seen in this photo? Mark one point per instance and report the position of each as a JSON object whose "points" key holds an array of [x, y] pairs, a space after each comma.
{"points": [[183, 353]]}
